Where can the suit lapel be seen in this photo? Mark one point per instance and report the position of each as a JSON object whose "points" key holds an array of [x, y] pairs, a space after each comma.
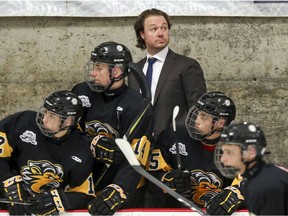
{"points": [[166, 70]]}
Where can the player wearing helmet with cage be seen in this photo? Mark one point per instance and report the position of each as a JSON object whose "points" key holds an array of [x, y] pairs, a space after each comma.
{"points": [[110, 109], [198, 179], [264, 186], [43, 158]]}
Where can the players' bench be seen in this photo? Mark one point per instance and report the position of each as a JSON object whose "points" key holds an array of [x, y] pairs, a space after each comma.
{"points": [[143, 212]]}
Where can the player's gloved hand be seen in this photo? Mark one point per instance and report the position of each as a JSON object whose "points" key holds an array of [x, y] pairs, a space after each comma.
{"points": [[50, 202], [15, 189], [108, 201], [106, 150], [178, 180], [225, 203]]}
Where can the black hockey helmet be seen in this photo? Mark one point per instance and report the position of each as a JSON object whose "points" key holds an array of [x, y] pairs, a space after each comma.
{"points": [[65, 104], [216, 104], [113, 54], [243, 134]]}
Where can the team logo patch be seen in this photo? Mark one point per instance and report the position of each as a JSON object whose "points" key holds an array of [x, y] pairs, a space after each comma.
{"points": [[29, 137], [205, 185], [85, 100], [42, 175], [182, 149]]}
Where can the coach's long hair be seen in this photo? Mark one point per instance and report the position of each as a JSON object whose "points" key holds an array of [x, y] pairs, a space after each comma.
{"points": [[139, 24]]}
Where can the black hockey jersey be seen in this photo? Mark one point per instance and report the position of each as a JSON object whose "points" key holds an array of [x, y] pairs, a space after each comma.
{"points": [[111, 114], [266, 190], [196, 157], [44, 162]]}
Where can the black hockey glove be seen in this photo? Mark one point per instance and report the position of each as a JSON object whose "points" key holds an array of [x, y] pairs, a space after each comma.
{"points": [[49, 203], [15, 189], [108, 201], [105, 149], [178, 180], [225, 203]]}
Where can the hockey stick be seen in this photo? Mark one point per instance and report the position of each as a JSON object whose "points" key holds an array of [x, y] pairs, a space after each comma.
{"points": [[19, 202], [175, 113], [130, 156], [146, 95]]}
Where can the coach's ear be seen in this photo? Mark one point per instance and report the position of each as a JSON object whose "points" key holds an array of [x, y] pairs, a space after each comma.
{"points": [[142, 35]]}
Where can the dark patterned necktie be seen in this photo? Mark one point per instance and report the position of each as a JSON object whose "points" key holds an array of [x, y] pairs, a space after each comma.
{"points": [[149, 73]]}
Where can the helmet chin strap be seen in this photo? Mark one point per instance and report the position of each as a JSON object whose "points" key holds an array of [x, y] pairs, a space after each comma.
{"points": [[111, 78], [109, 86], [62, 129], [213, 131], [68, 128], [251, 171], [211, 141]]}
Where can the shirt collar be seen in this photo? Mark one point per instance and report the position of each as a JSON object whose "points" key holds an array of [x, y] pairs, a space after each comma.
{"points": [[160, 55]]}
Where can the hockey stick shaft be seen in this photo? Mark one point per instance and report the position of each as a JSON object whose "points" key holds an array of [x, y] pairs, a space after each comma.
{"points": [[19, 202], [131, 158], [178, 156], [146, 95]]}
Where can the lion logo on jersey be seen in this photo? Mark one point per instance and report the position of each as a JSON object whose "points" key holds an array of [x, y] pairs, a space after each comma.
{"points": [[42, 175], [95, 128], [205, 185]]}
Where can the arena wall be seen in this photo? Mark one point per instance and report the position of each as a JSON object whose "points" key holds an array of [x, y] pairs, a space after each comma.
{"points": [[245, 57]]}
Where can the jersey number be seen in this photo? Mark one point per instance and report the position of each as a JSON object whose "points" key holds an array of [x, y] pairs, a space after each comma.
{"points": [[141, 149]]}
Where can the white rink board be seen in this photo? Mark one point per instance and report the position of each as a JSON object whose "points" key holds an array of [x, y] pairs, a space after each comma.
{"points": [[142, 212]]}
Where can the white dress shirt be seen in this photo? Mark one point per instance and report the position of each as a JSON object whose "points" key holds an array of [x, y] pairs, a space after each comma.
{"points": [[157, 67]]}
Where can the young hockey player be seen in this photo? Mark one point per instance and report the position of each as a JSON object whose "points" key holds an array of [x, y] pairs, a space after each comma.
{"points": [[198, 179], [110, 109], [44, 158], [265, 186]]}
